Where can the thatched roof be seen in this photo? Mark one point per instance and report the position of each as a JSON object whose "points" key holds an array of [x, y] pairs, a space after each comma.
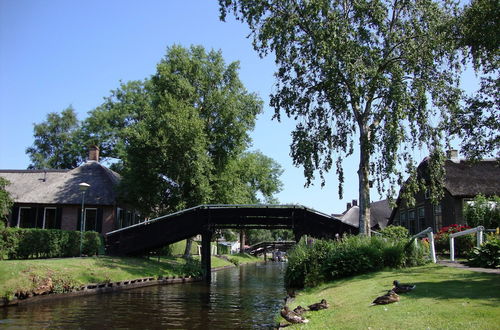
{"points": [[379, 214], [61, 186], [465, 179]]}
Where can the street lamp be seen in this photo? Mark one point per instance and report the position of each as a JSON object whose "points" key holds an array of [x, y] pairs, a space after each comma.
{"points": [[83, 188]]}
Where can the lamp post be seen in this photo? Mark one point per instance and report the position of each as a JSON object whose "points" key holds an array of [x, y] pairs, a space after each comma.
{"points": [[83, 188]]}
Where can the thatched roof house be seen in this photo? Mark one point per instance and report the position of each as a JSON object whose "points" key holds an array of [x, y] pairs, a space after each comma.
{"points": [[380, 212], [463, 181], [52, 198]]}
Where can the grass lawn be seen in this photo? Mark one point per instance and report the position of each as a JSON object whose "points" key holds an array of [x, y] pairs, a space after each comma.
{"points": [[243, 258], [445, 298], [23, 274]]}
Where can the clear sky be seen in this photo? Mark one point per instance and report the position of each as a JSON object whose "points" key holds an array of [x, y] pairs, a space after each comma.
{"points": [[58, 53]]}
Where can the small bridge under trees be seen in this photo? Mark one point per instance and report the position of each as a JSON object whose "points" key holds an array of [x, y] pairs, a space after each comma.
{"points": [[264, 247], [205, 219]]}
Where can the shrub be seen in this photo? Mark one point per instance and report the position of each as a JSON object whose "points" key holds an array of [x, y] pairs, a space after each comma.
{"points": [[395, 232], [463, 244], [326, 260], [483, 212], [25, 243], [488, 255]]}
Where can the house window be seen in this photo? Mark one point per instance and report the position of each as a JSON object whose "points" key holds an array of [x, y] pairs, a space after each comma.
{"points": [[91, 219], [49, 218], [421, 218], [403, 219], [412, 224], [25, 218], [438, 218], [128, 218], [121, 218]]}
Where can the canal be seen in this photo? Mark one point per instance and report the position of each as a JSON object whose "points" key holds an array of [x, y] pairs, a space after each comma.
{"points": [[244, 297]]}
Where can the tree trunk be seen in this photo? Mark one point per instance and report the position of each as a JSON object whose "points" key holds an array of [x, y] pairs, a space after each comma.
{"points": [[242, 241], [187, 251], [364, 183]]}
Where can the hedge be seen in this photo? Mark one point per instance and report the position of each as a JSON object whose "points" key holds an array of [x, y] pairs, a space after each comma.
{"points": [[327, 260], [26, 243]]}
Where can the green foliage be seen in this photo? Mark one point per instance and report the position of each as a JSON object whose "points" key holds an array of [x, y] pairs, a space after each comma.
{"points": [[25, 243], [488, 255], [371, 73], [476, 30], [463, 244], [192, 267], [483, 211], [329, 260], [395, 232], [6, 202], [57, 142], [181, 136]]}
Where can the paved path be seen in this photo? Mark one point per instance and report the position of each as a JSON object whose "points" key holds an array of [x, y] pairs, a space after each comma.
{"points": [[474, 269]]}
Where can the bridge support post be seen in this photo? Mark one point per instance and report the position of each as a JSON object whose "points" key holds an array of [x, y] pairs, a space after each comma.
{"points": [[206, 264]]}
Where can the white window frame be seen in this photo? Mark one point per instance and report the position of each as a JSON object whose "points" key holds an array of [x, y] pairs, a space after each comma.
{"points": [[19, 214], [45, 214]]}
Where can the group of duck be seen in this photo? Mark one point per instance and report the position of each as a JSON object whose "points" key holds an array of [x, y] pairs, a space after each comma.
{"points": [[295, 316], [392, 295]]}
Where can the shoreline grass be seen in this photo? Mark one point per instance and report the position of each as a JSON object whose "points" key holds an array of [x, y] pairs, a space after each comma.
{"points": [[64, 273], [445, 298]]}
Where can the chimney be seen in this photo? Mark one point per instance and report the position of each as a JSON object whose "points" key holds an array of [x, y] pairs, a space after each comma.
{"points": [[453, 155], [354, 202], [94, 153], [348, 206]]}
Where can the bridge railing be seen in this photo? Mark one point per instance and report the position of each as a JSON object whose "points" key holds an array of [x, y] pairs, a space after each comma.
{"points": [[430, 235], [479, 237]]}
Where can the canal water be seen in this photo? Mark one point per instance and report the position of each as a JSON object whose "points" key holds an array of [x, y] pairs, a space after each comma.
{"points": [[245, 297]]}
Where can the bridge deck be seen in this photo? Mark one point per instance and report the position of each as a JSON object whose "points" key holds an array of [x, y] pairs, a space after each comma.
{"points": [[204, 219]]}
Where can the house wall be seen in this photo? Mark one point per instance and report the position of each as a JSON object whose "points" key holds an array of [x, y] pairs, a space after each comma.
{"points": [[69, 218], [69, 215], [451, 213], [108, 219]]}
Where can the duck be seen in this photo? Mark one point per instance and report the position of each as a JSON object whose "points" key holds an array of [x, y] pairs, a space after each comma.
{"points": [[291, 316], [388, 298], [402, 288], [299, 310], [318, 306]]}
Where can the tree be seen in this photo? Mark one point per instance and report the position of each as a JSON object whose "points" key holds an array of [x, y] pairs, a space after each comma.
{"points": [[483, 211], [6, 201], [57, 142], [477, 30], [182, 136], [379, 72]]}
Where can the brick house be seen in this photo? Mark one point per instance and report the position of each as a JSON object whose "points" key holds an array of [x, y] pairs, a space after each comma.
{"points": [[463, 181], [52, 198]]}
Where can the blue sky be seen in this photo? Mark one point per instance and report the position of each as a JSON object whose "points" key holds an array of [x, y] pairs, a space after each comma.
{"points": [[59, 53]]}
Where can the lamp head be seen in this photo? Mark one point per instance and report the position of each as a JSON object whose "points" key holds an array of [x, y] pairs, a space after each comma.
{"points": [[84, 186]]}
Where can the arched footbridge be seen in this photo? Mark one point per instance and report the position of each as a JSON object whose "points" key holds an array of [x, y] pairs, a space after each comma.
{"points": [[205, 219], [264, 247]]}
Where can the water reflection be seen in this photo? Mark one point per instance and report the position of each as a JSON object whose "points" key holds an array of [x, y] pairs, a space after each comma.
{"points": [[238, 298]]}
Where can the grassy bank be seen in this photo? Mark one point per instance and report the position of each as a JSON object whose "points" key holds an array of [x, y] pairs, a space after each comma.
{"points": [[445, 298], [25, 275], [65, 273]]}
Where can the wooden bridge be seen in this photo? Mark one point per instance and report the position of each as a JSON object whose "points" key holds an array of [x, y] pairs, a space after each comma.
{"points": [[264, 247], [204, 219]]}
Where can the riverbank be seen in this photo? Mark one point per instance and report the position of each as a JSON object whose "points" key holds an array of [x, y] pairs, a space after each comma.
{"points": [[21, 279], [445, 297]]}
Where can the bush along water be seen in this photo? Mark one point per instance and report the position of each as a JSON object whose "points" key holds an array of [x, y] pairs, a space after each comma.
{"points": [[327, 260], [25, 243], [463, 244]]}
